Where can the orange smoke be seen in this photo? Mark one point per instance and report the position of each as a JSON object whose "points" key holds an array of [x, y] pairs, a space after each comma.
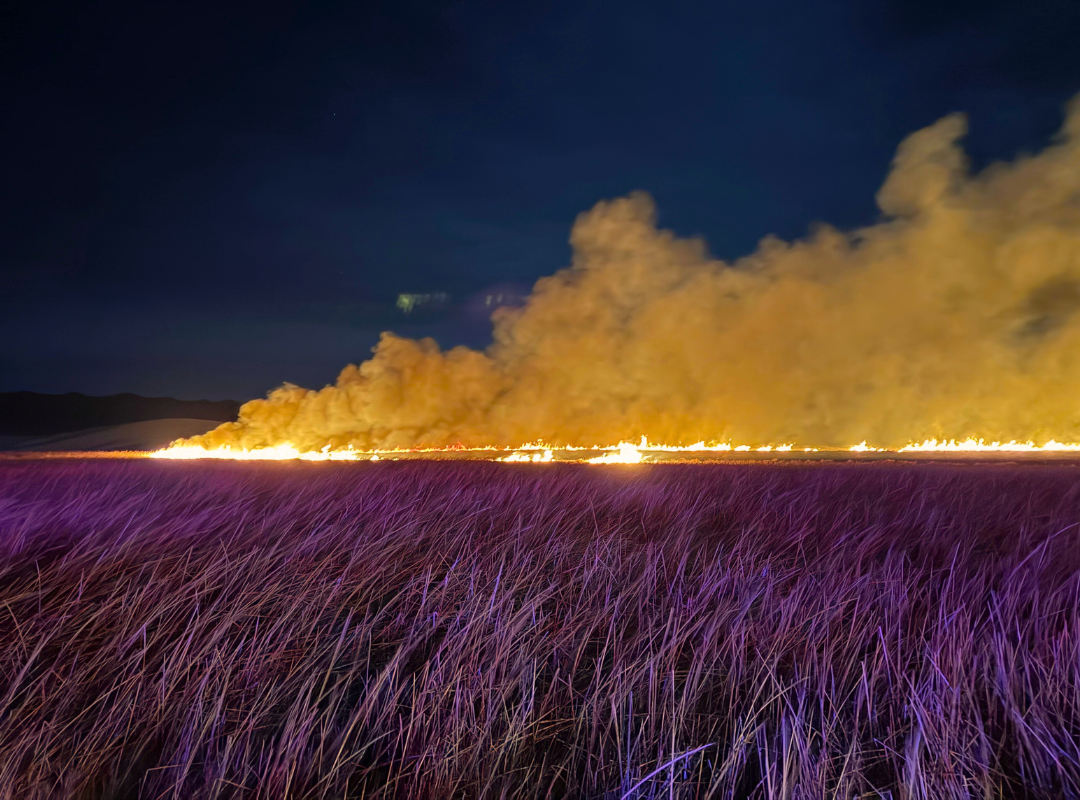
{"points": [[954, 317]]}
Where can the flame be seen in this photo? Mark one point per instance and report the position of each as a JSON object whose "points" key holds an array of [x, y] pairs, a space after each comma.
{"points": [[281, 452], [622, 453], [534, 457], [979, 446], [626, 454], [863, 447]]}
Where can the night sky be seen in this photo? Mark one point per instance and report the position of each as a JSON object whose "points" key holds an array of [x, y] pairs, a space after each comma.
{"points": [[205, 200]]}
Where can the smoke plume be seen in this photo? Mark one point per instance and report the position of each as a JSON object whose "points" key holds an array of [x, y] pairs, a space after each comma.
{"points": [[954, 316]]}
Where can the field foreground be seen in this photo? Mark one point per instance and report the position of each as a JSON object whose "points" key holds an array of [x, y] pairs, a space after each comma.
{"points": [[471, 629]]}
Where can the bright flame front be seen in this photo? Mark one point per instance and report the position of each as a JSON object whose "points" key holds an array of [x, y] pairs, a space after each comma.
{"points": [[622, 453], [980, 446], [626, 454], [281, 452]]}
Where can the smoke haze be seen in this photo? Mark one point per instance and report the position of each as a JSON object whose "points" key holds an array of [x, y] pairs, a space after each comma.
{"points": [[954, 316]]}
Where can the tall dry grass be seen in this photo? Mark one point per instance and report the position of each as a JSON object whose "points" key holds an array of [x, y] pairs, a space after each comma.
{"points": [[476, 630]]}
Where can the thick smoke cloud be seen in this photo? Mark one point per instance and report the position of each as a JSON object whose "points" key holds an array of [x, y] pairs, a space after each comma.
{"points": [[954, 316]]}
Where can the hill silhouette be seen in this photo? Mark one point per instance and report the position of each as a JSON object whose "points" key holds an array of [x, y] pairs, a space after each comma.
{"points": [[35, 414]]}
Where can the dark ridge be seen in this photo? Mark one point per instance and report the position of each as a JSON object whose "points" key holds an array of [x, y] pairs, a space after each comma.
{"points": [[34, 414]]}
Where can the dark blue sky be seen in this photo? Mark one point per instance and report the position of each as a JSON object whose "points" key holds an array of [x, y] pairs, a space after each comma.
{"points": [[205, 200]]}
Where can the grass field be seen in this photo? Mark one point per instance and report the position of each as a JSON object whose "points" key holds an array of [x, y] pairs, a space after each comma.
{"points": [[480, 630]]}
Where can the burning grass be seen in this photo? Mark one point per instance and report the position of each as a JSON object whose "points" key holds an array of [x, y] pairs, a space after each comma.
{"points": [[449, 629]]}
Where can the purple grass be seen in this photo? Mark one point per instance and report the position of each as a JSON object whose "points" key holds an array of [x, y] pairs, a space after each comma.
{"points": [[476, 630]]}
